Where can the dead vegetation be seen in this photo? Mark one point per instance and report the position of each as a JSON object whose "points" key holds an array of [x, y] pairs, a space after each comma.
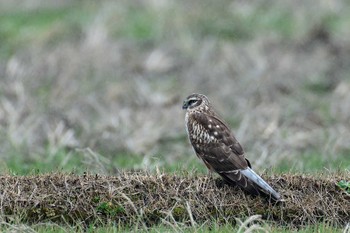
{"points": [[149, 199]]}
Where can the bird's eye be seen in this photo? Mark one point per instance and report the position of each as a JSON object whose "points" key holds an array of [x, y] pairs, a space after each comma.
{"points": [[191, 102]]}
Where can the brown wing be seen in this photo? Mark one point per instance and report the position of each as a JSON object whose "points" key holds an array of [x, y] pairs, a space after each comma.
{"points": [[214, 140], [215, 144], [228, 139], [222, 154]]}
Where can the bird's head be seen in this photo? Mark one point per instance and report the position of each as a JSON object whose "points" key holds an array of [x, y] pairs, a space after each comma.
{"points": [[196, 102]]}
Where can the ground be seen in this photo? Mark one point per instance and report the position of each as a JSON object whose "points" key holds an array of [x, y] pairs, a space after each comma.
{"points": [[98, 87]]}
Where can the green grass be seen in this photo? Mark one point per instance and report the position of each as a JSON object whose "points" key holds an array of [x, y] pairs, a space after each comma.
{"points": [[264, 20], [20, 28], [76, 161], [80, 162], [345, 185], [313, 161], [62, 160], [169, 227], [137, 23]]}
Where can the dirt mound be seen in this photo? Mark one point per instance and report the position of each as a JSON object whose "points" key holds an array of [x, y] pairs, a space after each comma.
{"points": [[152, 198]]}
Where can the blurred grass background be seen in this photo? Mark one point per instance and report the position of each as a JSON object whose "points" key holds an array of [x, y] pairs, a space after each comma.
{"points": [[98, 85]]}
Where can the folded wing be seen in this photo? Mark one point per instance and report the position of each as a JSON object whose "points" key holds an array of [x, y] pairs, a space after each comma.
{"points": [[225, 155]]}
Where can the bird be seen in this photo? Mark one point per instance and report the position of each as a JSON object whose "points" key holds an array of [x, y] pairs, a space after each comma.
{"points": [[214, 143]]}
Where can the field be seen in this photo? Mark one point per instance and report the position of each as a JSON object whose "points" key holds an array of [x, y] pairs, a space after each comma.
{"points": [[139, 200], [91, 118]]}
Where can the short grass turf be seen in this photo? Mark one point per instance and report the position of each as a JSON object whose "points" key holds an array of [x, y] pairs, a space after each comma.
{"points": [[150, 199]]}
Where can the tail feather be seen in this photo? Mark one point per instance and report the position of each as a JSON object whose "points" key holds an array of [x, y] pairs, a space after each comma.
{"points": [[263, 186], [251, 182]]}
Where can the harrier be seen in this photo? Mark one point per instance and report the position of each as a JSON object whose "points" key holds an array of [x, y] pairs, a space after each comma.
{"points": [[215, 144]]}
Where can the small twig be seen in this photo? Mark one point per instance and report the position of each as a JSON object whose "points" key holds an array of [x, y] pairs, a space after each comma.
{"points": [[188, 208]]}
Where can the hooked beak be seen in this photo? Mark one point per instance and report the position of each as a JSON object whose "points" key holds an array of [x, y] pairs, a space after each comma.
{"points": [[185, 105]]}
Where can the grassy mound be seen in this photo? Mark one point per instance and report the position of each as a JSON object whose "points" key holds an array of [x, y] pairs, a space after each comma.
{"points": [[130, 198]]}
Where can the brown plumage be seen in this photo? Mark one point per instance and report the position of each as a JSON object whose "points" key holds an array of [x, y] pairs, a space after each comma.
{"points": [[215, 144]]}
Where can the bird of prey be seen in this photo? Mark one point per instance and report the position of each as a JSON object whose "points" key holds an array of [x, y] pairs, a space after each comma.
{"points": [[214, 143]]}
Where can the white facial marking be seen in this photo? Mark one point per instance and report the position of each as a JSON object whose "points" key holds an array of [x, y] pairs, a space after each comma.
{"points": [[209, 126], [217, 126], [216, 133]]}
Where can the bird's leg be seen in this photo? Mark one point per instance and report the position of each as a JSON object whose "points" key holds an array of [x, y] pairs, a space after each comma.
{"points": [[210, 175], [210, 170]]}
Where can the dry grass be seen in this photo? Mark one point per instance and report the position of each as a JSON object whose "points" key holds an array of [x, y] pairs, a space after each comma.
{"points": [[149, 199]]}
